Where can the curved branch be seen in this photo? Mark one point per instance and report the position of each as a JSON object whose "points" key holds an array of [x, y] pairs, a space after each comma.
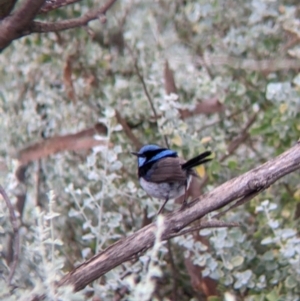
{"points": [[71, 23], [255, 180]]}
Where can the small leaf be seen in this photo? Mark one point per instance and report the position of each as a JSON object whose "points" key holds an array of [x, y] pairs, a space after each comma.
{"points": [[266, 241], [88, 236], [259, 209], [273, 224], [228, 265], [205, 140], [51, 215], [286, 233], [237, 261], [232, 165], [205, 232], [200, 171], [73, 212], [272, 296], [177, 140], [268, 256], [297, 192], [282, 108], [272, 206], [229, 297], [290, 282], [85, 252]]}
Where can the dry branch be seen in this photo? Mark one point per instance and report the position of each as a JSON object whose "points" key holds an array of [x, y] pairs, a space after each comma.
{"points": [[204, 107], [209, 106], [81, 140], [255, 180], [170, 86], [71, 23]]}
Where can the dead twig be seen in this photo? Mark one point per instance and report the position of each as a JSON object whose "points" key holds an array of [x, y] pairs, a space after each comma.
{"points": [[141, 78], [240, 202], [94, 14], [81, 140], [206, 224], [209, 106], [52, 5], [137, 144]]}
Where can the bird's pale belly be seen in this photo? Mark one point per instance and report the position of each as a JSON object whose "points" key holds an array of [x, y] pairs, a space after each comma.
{"points": [[164, 190]]}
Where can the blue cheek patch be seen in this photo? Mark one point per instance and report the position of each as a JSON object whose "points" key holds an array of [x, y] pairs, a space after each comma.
{"points": [[141, 161]]}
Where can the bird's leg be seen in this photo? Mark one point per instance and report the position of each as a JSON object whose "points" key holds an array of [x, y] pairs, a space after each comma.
{"points": [[184, 203], [162, 206]]}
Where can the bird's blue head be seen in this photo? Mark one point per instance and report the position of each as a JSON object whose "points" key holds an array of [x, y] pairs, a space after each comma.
{"points": [[150, 153]]}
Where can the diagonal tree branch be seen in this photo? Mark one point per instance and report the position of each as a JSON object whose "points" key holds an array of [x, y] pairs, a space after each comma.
{"points": [[254, 180]]}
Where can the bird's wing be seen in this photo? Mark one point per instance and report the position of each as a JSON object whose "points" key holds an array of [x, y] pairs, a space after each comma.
{"points": [[167, 170]]}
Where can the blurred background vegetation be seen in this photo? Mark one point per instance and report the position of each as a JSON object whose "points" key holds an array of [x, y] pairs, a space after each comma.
{"points": [[220, 75]]}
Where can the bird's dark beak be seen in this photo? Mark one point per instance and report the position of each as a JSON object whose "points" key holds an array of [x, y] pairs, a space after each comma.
{"points": [[138, 154]]}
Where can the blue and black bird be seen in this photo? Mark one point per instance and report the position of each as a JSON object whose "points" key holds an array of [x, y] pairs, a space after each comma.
{"points": [[163, 175]]}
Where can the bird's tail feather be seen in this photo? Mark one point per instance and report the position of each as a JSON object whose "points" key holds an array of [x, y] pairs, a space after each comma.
{"points": [[200, 159]]}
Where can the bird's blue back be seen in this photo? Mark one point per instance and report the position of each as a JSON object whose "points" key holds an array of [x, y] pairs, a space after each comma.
{"points": [[152, 153]]}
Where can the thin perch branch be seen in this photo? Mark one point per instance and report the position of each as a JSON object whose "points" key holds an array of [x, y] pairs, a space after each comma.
{"points": [[141, 78], [206, 224]]}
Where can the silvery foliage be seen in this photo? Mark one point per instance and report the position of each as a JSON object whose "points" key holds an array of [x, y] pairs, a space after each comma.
{"points": [[93, 200]]}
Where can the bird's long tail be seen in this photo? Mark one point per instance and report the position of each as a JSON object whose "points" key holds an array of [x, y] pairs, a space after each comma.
{"points": [[200, 159]]}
